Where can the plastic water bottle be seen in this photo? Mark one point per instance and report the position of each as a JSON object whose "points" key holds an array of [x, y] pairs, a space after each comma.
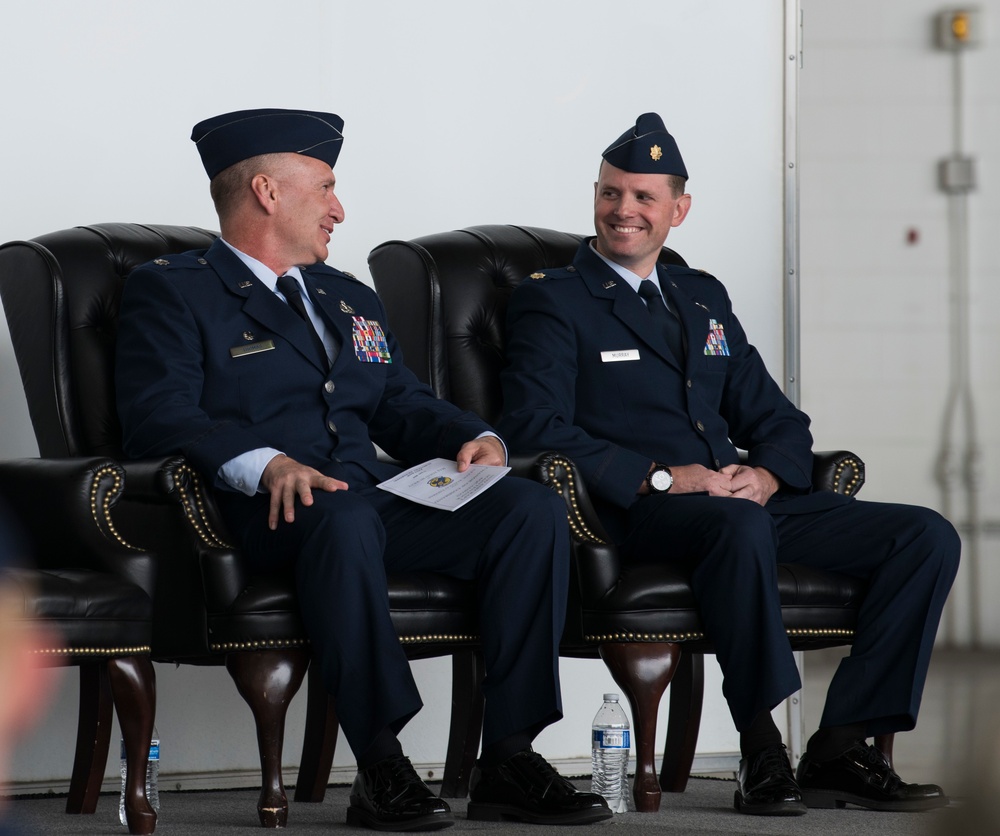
{"points": [[609, 754], [152, 777]]}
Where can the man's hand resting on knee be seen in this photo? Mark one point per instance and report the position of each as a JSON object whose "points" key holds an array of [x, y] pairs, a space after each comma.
{"points": [[285, 478]]}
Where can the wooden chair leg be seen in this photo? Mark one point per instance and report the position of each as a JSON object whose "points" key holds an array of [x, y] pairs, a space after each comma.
{"points": [[320, 740], [643, 670], [883, 743], [93, 737], [467, 706], [687, 690], [133, 684], [267, 680]]}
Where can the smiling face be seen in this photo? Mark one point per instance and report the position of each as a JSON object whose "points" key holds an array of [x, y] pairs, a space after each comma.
{"points": [[633, 214], [306, 208]]}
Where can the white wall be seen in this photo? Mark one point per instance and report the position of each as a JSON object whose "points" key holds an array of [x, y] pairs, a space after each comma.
{"points": [[875, 117], [456, 113]]}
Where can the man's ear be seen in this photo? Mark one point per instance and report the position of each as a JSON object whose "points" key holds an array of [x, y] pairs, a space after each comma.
{"points": [[264, 189], [681, 209]]}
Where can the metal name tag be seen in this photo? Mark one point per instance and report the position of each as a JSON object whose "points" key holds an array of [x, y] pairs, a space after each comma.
{"points": [[253, 348]]}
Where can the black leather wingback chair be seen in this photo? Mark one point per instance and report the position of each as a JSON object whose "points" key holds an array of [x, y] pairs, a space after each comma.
{"points": [[446, 296], [61, 294], [90, 590]]}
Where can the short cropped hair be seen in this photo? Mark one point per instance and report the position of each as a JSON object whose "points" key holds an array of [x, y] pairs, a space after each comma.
{"points": [[230, 185]]}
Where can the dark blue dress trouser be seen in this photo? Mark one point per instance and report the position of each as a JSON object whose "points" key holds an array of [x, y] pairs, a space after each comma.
{"points": [[908, 554], [513, 540]]}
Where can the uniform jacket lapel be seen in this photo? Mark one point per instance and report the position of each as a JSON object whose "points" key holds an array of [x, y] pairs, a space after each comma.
{"points": [[693, 315], [260, 303], [626, 305], [338, 322]]}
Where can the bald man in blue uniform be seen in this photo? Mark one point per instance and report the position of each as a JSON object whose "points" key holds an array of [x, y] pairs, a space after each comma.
{"points": [[643, 375], [277, 376]]}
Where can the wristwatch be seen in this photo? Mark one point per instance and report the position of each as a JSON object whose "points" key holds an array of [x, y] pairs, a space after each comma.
{"points": [[660, 479]]}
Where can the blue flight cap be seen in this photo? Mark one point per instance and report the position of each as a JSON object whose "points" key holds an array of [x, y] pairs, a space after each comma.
{"points": [[233, 137], [646, 149]]}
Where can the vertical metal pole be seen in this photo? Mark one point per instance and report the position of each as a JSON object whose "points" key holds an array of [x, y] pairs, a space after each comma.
{"points": [[793, 62]]}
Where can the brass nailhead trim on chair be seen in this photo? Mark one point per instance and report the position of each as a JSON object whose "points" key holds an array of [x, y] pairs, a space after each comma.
{"points": [[687, 637], [282, 643], [93, 651], [102, 516], [267, 644], [852, 486], [646, 637], [822, 632], [441, 637], [195, 510], [576, 521]]}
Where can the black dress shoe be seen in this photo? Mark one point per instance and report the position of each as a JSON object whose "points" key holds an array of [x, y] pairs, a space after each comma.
{"points": [[391, 796], [765, 785], [526, 788], [862, 776]]}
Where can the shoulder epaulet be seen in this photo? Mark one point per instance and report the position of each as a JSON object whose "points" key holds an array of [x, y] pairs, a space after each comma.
{"points": [[188, 260], [553, 273], [680, 270], [323, 269]]}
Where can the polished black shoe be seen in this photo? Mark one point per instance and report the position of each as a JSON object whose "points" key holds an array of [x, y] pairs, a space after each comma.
{"points": [[526, 788], [863, 776], [765, 785], [391, 796]]}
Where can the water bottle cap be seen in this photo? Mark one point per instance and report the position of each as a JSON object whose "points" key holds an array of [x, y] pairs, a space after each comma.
{"points": [[611, 698]]}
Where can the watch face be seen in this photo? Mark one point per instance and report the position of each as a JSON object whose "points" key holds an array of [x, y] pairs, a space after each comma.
{"points": [[661, 480]]}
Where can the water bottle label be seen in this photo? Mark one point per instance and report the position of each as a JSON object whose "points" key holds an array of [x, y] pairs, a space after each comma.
{"points": [[154, 750], [611, 739]]}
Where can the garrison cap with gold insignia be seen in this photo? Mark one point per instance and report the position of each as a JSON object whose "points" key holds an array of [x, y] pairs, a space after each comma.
{"points": [[233, 137], [646, 149]]}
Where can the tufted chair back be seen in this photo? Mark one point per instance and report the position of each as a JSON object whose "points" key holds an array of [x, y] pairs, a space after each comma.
{"points": [[69, 322], [61, 294], [447, 297], [453, 332]]}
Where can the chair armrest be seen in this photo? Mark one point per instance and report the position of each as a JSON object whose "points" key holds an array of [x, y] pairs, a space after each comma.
{"points": [[596, 560], [172, 481], [168, 504], [840, 471], [64, 506]]}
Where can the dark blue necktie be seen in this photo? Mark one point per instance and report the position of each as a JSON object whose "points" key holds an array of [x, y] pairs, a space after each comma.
{"points": [[292, 291], [666, 321]]}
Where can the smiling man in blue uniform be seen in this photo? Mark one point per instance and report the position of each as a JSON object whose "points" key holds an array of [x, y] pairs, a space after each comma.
{"points": [[276, 375], [642, 374]]}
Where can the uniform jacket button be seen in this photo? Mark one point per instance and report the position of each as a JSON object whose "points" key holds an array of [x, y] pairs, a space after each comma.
{"points": [[700, 426], [329, 386], [331, 426]]}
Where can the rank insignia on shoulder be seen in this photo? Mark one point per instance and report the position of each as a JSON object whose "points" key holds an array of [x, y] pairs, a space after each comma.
{"points": [[202, 261], [320, 291], [160, 262], [345, 307], [537, 276], [349, 275]]}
